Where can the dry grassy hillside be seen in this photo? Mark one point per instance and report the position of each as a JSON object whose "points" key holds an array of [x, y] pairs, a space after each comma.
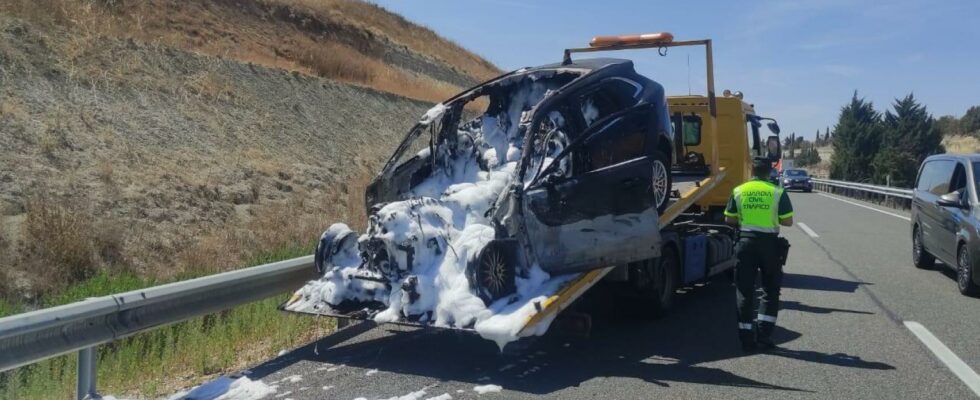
{"points": [[961, 144], [346, 40], [162, 137]]}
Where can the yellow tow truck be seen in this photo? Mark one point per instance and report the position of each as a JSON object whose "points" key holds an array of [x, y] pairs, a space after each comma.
{"points": [[713, 141], [716, 141]]}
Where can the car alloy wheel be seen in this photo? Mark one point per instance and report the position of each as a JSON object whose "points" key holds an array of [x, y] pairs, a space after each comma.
{"points": [[917, 247], [964, 277], [660, 184], [493, 273]]}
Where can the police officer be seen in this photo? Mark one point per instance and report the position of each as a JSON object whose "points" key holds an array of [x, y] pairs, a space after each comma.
{"points": [[758, 208]]}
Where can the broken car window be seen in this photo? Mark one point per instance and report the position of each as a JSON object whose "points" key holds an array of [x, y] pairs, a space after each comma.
{"points": [[418, 147], [551, 136], [608, 98]]}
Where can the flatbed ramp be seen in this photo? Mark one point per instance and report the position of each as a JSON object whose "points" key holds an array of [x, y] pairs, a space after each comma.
{"points": [[690, 189]]}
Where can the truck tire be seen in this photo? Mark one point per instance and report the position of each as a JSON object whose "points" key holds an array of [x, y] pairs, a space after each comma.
{"points": [[664, 282], [654, 283]]}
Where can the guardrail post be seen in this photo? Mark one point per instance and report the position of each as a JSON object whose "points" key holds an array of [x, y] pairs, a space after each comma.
{"points": [[86, 374]]}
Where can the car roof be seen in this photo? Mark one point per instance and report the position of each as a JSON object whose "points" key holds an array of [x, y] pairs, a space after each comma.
{"points": [[589, 64], [956, 157], [589, 69]]}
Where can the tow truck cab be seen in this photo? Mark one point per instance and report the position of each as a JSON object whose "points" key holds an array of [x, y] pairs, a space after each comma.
{"points": [[697, 244]]}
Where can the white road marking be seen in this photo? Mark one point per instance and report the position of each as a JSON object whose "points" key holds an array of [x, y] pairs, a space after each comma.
{"points": [[807, 230], [952, 361], [864, 206]]}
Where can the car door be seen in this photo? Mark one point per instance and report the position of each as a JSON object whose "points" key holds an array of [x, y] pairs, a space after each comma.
{"points": [[602, 212], [924, 202], [949, 216], [940, 173]]}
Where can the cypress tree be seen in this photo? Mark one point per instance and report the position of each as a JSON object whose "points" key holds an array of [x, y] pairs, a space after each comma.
{"points": [[857, 136], [910, 135]]}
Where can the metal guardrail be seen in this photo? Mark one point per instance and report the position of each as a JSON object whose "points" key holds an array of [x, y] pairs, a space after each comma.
{"points": [[890, 195], [34, 336], [882, 190]]}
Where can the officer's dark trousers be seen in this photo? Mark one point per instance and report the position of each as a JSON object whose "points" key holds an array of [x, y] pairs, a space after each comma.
{"points": [[757, 254]]}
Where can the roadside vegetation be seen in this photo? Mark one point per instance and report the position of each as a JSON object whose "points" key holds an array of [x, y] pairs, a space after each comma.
{"points": [[887, 148], [151, 142], [179, 356]]}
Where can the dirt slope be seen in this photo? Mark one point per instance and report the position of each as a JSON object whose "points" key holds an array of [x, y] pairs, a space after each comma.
{"points": [[348, 40], [122, 154]]}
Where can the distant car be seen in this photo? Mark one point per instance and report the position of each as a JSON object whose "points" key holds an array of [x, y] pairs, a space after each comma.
{"points": [[796, 179], [944, 217], [774, 177]]}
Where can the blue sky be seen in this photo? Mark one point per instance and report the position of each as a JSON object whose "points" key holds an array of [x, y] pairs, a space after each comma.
{"points": [[797, 61]]}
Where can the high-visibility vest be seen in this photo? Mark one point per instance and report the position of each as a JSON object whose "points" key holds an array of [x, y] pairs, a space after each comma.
{"points": [[757, 202]]}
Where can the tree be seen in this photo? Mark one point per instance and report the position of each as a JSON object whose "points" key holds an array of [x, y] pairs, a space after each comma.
{"points": [[949, 125], [826, 135], [970, 123], [857, 136], [909, 136], [816, 140], [808, 155]]}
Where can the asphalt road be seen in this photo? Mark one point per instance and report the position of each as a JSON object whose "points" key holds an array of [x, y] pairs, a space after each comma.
{"points": [[848, 294]]}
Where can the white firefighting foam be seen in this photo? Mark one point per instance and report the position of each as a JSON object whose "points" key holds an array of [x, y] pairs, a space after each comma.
{"points": [[445, 223]]}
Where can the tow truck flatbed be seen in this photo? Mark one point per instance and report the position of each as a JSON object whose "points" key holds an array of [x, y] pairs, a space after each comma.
{"points": [[690, 189]]}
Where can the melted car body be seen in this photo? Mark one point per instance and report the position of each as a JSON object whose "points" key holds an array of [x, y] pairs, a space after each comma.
{"points": [[565, 170]]}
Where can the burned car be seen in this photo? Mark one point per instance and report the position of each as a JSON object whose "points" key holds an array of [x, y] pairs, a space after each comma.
{"points": [[566, 170]]}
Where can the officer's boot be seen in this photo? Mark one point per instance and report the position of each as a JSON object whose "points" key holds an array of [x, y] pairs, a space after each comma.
{"points": [[764, 336], [747, 338]]}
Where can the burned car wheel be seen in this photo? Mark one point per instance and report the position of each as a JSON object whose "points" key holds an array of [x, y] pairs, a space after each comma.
{"points": [[334, 240], [661, 182], [493, 272]]}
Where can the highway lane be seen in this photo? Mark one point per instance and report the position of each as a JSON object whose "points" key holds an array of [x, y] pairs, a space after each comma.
{"points": [[847, 293], [876, 248]]}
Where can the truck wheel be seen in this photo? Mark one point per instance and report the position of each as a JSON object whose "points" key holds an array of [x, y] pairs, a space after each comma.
{"points": [[664, 282], [920, 256], [493, 273], [661, 182], [964, 273]]}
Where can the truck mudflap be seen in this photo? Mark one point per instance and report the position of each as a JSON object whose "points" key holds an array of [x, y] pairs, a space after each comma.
{"points": [[546, 309]]}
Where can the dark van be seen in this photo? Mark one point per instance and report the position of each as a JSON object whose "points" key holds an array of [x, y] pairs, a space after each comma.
{"points": [[944, 217]]}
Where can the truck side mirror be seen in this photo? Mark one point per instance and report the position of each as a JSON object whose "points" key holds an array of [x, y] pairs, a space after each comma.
{"points": [[774, 148], [773, 127]]}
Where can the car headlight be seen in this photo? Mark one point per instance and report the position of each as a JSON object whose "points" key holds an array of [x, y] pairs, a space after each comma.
{"points": [[785, 180]]}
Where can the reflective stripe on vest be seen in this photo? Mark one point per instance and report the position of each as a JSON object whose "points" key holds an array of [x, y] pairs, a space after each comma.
{"points": [[758, 203]]}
